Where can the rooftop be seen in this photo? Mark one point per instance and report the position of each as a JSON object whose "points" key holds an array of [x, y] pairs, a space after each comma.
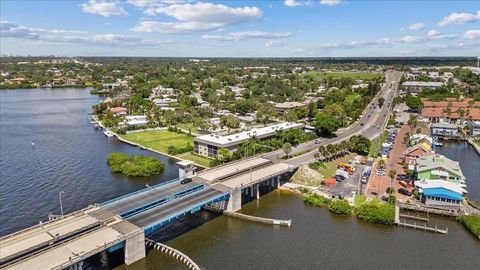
{"points": [[434, 162], [245, 135], [422, 84]]}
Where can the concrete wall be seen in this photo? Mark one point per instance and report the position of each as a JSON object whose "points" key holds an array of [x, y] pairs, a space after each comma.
{"points": [[135, 248], [235, 201]]}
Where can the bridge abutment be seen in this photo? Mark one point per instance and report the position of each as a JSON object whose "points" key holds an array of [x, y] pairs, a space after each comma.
{"points": [[135, 248], [235, 201]]}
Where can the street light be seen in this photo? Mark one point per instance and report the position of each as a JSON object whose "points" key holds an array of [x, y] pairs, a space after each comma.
{"points": [[60, 198]]}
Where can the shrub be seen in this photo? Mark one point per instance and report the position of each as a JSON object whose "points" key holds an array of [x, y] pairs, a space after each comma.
{"points": [[377, 212], [472, 223], [316, 200], [340, 207], [135, 166]]}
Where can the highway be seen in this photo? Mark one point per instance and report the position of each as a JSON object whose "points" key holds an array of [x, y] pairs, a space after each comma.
{"points": [[370, 125]]}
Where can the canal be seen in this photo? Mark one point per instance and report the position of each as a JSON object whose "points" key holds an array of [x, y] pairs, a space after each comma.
{"points": [[69, 155]]}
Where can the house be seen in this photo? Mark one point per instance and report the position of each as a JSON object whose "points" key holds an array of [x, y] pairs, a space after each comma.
{"points": [[438, 167], [118, 111], [111, 86], [136, 120], [285, 106], [444, 129], [18, 81], [208, 145], [441, 193], [165, 102], [474, 127], [412, 153], [451, 110], [418, 86], [420, 138]]}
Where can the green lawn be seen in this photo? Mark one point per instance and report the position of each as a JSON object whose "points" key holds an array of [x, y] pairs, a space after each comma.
{"points": [[376, 144], [203, 161], [328, 169], [187, 126], [160, 139], [339, 75]]}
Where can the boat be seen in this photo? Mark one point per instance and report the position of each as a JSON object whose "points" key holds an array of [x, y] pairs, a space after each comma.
{"points": [[108, 133], [438, 144]]}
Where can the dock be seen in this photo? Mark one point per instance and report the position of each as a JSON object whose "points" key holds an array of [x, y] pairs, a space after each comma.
{"points": [[424, 227], [271, 221]]}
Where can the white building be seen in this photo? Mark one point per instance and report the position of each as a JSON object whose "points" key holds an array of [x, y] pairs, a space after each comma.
{"points": [[474, 128], [208, 145], [136, 120], [417, 86]]}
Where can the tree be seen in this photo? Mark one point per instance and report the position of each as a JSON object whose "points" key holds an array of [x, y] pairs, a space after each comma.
{"points": [[412, 122], [224, 155], [381, 100], [230, 121], [359, 145], [392, 173], [287, 148], [325, 124], [414, 103], [406, 138], [381, 163], [266, 113], [322, 150]]}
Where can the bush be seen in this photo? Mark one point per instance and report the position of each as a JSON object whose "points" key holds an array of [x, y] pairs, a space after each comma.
{"points": [[317, 200], [135, 166], [340, 207], [472, 223], [377, 212]]}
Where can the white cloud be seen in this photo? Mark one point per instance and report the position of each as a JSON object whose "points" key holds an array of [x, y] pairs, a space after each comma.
{"points": [[472, 34], [416, 26], [273, 43], [330, 2], [238, 36], [103, 8], [381, 43], [296, 3], [410, 39], [11, 30], [198, 17], [460, 18], [433, 33]]}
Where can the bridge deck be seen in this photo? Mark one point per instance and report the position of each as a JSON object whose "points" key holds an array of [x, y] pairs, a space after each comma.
{"points": [[164, 211], [229, 170], [261, 174], [149, 195], [61, 255], [42, 235]]}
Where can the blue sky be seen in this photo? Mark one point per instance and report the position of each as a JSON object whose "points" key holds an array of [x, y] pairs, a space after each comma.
{"points": [[291, 28]]}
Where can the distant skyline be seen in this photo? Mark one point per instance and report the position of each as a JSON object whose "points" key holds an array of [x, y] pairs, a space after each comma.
{"points": [[290, 28]]}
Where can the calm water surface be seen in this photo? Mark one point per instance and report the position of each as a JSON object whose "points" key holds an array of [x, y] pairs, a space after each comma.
{"points": [[69, 155]]}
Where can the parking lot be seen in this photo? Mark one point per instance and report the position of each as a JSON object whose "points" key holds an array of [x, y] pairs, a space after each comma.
{"points": [[349, 185]]}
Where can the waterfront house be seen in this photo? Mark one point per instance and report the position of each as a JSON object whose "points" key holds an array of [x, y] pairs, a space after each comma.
{"points": [[118, 111], [474, 128], [208, 145], [136, 120], [444, 129], [438, 167], [440, 193], [420, 138], [412, 153]]}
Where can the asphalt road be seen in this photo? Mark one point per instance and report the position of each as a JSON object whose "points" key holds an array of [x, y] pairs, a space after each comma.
{"points": [[165, 210], [374, 121]]}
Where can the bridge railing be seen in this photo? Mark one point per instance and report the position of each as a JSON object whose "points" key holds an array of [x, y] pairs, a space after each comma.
{"points": [[139, 191], [150, 228], [161, 201]]}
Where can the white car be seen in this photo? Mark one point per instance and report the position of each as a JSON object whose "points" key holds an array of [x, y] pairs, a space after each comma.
{"points": [[380, 172]]}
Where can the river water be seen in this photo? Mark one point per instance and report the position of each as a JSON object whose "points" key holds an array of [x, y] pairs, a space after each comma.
{"points": [[69, 155]]}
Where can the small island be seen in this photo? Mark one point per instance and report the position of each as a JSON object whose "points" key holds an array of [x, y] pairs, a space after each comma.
{"points": [[134, 166]]}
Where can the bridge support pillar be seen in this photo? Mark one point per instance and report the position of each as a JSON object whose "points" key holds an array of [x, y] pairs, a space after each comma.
{"points": [[77, 266], [135, 248], [235, 201], [257, 187], [251, 191], [278, 181]]}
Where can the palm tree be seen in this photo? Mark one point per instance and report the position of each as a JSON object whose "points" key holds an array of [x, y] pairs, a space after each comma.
{"points": [[392, 173], [322, 151], [406, 138]]}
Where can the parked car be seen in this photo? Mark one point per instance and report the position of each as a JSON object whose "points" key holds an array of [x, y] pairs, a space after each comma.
{"points": [[380, 172], [404, 191], [402, 177], [374, 193], [339, 178]]}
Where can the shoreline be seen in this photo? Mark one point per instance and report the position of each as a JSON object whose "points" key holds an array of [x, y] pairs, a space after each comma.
{"points": [[118, 137], [475, 146]]}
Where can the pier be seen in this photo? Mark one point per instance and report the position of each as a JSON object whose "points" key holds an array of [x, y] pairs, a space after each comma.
{"points": [[424, 227], [263, 220]]}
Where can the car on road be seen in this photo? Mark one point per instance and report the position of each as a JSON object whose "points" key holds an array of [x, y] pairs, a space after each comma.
{"points": [[385, 198], [185, 181], [317, 141], [404, 191]]}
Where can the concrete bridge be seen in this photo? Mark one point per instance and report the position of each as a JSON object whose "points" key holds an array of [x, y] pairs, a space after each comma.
{"points": [[65, 242]]}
